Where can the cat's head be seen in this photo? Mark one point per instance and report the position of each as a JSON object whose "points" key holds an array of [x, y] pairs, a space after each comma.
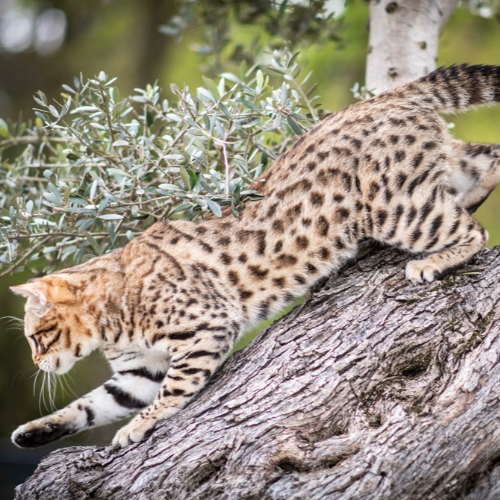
{"points": [[57, 331]]}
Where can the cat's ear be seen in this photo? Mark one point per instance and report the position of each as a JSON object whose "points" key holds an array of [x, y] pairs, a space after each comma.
{"points": [[48, 289], [37, 290]]}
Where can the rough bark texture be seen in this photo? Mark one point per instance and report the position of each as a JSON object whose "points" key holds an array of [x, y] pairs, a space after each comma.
{"points": [[404, 40], [376, 388]]}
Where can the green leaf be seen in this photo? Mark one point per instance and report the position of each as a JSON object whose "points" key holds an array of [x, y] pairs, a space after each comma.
{"points": [[193, 178], [93, 243], [211, 85], [260, 80], [103, 204], [231, 77], [206, 93], [214, 208], [295, 126], [4, 129], [117, 171], [185, 177]]}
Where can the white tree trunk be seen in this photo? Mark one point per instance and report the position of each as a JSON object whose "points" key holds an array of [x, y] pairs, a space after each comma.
{"points": [[404, 40]]}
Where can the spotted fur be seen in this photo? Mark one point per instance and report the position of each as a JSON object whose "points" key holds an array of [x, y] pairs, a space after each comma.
{"points": [[167, 308]]}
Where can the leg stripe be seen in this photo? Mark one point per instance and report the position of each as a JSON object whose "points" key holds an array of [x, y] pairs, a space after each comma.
{"points": [[123, 398]]}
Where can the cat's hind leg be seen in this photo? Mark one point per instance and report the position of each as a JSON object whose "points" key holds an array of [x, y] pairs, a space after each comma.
{"points": [[460, 239], [441, 230], [429, 223], [475, 172]]}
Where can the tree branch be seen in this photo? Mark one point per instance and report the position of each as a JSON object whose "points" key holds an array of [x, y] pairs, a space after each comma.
{"points": [[375, 388]]}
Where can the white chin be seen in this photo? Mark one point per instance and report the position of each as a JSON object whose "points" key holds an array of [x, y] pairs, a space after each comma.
{"points": [[63, 367], [59, 367]]}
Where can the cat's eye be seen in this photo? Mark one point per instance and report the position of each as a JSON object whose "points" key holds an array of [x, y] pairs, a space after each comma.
{"points": [[35, 341], [44, 330]]}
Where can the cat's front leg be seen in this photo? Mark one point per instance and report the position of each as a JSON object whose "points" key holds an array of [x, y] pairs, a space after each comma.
{"points": [[125, 393], [188, 373]]}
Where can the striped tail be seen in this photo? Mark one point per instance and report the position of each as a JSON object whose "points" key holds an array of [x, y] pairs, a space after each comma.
{"points": [[459, 88]]}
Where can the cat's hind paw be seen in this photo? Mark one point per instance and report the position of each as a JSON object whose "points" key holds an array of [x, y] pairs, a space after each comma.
{"points": [[422, 271], [136, 430]]}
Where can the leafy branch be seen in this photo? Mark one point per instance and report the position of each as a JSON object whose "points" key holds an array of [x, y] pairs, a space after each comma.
{"points": [[94, 169]]}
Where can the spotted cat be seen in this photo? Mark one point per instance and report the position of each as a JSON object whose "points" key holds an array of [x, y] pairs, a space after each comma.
{"points": [[167, 308]]}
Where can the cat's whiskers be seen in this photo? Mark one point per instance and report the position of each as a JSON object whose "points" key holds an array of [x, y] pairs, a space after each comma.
{"points": [[13, 323], [36, 374], [41, 399], [21, 373], [65, 384], [52, 390]]}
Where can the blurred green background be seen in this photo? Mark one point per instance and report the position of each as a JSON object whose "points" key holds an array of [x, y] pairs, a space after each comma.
{"points": [[122, 39]]}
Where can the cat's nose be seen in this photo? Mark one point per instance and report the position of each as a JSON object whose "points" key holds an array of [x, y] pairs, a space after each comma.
{"points": [[36, 359]]}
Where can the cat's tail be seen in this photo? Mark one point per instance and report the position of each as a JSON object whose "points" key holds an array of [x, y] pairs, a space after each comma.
{"points": [[458, 88]]}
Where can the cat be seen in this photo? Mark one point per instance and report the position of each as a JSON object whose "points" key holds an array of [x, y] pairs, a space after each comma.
{"points": [[167, 308]]}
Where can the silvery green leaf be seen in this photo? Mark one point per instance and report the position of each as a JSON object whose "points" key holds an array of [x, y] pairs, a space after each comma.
{"points": [[260, 80], [103, 204], [111, 217], [212, 86], [294, 125], [121, 142], [231, 77], [170, 187], [93, 243], [214, 208], [43, 222], [84, 109], [42, 97], [93, 189], [126, 112], [117, 171], [86, 225], [206, 93], [67, 88]]}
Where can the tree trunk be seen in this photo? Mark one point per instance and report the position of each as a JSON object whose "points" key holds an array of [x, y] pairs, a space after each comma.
{"points": [[404, 40], [376, 388]]}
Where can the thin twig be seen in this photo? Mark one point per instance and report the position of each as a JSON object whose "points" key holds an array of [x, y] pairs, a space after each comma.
{"points": [[26, 255], [227, 168]]}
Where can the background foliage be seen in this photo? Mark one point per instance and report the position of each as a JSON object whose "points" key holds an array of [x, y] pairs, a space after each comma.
{"points": [[100, 161]]}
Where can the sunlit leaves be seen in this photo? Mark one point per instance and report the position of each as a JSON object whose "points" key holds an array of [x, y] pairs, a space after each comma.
{"points": [[95, 169]]}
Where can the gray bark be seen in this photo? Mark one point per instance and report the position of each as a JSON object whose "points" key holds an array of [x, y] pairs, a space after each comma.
{"points": [[376, 388], [404, 40]]}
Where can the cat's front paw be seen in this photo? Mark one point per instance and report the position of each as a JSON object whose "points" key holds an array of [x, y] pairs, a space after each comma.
{"points": [[136, 430], [39, 432]]}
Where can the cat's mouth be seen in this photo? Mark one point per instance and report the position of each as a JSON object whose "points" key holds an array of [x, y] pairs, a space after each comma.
{"points": [[54, 366], [47, 365]]}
